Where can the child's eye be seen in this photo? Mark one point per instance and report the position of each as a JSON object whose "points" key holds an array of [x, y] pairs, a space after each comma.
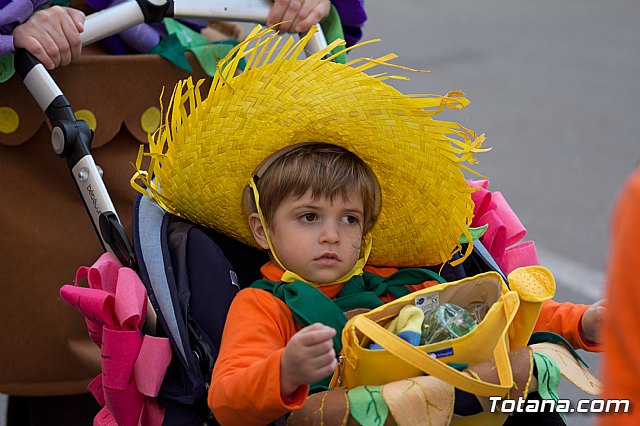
{"points": [[308, 217], [350, 219]]}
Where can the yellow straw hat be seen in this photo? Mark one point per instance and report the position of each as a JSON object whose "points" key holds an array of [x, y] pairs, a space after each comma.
{"points": [[207, 149]]}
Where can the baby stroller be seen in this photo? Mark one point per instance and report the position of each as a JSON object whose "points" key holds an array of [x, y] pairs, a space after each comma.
{"points": [[173, 282]]}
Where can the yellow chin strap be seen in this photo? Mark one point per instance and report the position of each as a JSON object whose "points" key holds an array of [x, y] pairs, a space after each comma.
{"points": [[289, 276]]}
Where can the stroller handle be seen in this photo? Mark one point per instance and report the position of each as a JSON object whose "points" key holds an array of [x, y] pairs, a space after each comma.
{"points": [[71, 138], [128, 14]]}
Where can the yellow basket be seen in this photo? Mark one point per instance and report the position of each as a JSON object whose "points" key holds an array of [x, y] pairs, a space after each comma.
{"points": [[400, 360]]}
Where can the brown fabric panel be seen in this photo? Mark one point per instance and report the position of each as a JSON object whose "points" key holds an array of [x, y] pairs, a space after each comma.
{"points": [[116, 89], [46, 235], [45, 232]]}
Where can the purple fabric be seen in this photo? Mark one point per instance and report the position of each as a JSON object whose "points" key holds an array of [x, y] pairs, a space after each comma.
{"points": [[353, 17], [140, 38], [6, 44], [13, 13]]}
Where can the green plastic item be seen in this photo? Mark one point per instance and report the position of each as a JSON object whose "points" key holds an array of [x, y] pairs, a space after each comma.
{"points": [[6, 67], [332, 29], [171, 49], [476, 234], [446, 322], [182, 38]]}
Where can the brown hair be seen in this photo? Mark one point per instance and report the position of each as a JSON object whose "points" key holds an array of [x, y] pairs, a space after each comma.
{"points": [[328, 170]]}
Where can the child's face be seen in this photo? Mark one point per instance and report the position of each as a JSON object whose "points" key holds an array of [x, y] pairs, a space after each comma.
{"points": [[318, 239]]}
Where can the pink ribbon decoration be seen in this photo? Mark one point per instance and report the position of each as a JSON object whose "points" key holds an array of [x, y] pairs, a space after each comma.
{"points": [[133, 364], [502, 237]]}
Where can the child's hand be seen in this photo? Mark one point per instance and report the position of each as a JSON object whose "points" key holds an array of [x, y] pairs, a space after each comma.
{"points": [[52, 35], [307, 358], [592, 320]]}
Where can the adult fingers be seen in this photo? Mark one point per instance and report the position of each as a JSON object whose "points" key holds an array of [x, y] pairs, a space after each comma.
{"points": [[277, 12], [77, 16], [47, 27], [60, 49], [312, 12], [285, 13], [71, 45], [33, 46], [51, 56]]}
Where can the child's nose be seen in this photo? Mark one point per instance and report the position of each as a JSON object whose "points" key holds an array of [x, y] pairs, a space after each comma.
{"points": [[330, 233]]}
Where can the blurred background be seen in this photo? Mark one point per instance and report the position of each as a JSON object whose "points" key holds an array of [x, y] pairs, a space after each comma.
{"points": [[554, 86]]}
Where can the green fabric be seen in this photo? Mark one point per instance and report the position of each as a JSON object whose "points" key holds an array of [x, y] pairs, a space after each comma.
{"points": [[296, 296], [549, 336], [476, 234], [6, 67], [548, 377], [458, 366], [361, 291], [367, 406], [172, 50], [207, 53], [59, 3], [332, 29]]}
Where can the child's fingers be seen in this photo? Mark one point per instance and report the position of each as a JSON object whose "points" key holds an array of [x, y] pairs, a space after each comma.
{"points": [[316, 333], [321, 348], [326, 367]]}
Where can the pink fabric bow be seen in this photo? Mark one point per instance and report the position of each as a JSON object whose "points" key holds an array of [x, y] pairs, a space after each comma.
{"points": [[505, 229], [133, 364]]}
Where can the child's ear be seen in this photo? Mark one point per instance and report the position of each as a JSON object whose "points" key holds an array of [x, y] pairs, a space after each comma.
{"points": [[257, 229]]}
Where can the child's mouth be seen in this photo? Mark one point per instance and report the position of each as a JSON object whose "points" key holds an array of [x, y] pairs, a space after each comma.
{"points": [[328, 259]]}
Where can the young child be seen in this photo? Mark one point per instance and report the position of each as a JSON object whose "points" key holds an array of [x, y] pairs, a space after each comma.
{"points": [[384, 161], [317, 204]]}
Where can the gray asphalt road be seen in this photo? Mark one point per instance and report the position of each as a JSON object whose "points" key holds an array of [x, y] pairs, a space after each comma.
{"points": [[554, 86]]}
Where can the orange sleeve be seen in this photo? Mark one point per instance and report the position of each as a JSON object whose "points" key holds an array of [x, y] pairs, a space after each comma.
{"points": [[621, 333], [245, 386], [565, 319]]}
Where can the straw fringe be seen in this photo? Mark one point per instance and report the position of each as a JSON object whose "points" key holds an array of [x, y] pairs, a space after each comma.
{"points": [[177, 148]]}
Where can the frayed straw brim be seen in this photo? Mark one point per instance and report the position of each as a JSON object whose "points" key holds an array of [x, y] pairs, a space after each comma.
{"points": [[207, 149]]}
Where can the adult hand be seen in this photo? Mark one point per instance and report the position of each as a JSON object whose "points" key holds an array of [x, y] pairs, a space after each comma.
{"points": [[52, 35], [307, 358], [300, 15], [592, 321]]}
